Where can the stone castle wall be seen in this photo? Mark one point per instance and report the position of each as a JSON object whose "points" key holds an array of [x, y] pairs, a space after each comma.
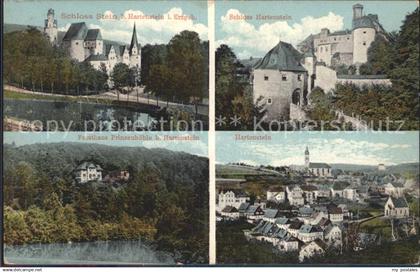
{"points": [[362, 38], [279, 91]]}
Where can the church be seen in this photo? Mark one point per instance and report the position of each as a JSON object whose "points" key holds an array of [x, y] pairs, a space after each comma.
{"points": [[318, 169], [87, 45], [283, 79]]}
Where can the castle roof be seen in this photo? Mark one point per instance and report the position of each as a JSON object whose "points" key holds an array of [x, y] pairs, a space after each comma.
{"points": [[93, 35], [244, 206], [399, 202], [229, 209], [318, 165], [97, 57], [271, 213], [86, 165], [368, 21], [283, 57], [76, 31], [309, 229], [237, 192]]}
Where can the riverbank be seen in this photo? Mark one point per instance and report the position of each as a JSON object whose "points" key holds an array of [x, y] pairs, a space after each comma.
{"points": [[10, 94]]}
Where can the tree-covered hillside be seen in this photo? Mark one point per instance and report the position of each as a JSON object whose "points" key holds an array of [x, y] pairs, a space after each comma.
{"points": [[165, 199]]}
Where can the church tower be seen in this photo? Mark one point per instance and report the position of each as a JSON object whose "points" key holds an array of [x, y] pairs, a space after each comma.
{"points": [[135, 50], [50, 28], [307, 157]]}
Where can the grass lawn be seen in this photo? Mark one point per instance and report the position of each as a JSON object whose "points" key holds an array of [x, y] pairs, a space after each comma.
{"points": [[379, 226], [233, 171], [16, 95]]}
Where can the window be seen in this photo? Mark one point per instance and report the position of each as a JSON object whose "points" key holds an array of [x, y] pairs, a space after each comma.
{"points": [[326, 49], [283, 77], [269, 101], [364, 32], [320, 49], [77, 43], [364, 43], [266, 78], [300, 77]]}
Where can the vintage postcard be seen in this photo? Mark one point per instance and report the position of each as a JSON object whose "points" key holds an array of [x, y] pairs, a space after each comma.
{"points": [[105, 199], [317, 198], [317, 65], [105, 65], [210, 133]]}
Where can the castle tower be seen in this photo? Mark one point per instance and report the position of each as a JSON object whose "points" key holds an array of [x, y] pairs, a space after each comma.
{"points": [[50, 28], [357, 11], [363, 34], [307, 157]]}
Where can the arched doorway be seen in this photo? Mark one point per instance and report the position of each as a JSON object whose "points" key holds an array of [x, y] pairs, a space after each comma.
{"points": [[296, 97]]}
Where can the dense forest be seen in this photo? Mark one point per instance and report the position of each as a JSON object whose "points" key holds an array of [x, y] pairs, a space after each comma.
{"points": [[177, 71], [395, 57], [165, 200]]}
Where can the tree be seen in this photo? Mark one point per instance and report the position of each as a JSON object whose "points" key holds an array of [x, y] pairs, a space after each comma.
{"points": [[187, 64], [66, 71], [380, 54], [26, 181], [159, 83], [120, 77]]}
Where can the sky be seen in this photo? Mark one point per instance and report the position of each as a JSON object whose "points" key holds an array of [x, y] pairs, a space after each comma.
{"points": [[148, 30], [256, 37], [196, 147], [364, 148]]}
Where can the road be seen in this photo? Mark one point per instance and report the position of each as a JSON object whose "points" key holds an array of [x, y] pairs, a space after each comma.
{"points": [[132, 97]]}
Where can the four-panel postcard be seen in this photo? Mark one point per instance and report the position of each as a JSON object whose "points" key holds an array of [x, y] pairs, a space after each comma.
{"points": [[212, 134]]}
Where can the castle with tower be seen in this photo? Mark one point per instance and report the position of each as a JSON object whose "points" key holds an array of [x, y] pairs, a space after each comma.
{"points": [[285, 76], [84, 44]]}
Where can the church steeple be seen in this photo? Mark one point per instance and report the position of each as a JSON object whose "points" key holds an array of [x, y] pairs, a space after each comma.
{"points": [[134, 43], [307, 157]]}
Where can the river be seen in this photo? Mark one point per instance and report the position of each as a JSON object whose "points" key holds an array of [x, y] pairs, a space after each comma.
{"points": [[77, 116], [100, 253]]}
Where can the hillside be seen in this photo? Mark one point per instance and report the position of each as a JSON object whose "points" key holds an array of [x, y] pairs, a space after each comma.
{"points": [[60, 159], [165, 199]]}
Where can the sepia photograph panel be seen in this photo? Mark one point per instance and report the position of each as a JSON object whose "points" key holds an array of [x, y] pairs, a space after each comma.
{"points": [[105, 65], [312, 198], [105, 199], [317, 65]]}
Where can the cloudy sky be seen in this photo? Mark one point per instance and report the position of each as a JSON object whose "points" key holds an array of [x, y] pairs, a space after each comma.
{"points": [[148, 30], [366, 148], [255, 37], [196, 147]]}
